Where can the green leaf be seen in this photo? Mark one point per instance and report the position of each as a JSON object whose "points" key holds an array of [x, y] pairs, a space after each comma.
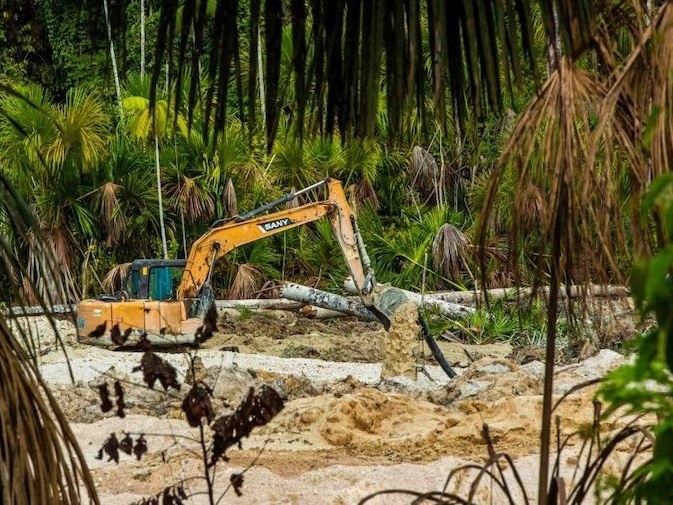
{"points": [[660, 185], [651, 126], [638, 284], [659, 289]]}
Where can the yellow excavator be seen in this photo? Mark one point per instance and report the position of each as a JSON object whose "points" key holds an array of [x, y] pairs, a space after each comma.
{"points": [[168, 302]]}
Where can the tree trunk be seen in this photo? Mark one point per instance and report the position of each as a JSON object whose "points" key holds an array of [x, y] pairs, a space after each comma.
{"points": [[312, 296], [262, 304], [331, 301], [260, 73], [159, 195], [113, 58], [142, 38]]}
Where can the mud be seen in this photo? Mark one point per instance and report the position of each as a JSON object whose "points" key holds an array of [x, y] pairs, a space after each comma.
{"points": [[291, 336], [401, 344]]}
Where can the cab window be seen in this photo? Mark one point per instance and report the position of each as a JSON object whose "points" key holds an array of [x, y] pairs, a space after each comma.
{"points": [[164, 282], [132, 283]]}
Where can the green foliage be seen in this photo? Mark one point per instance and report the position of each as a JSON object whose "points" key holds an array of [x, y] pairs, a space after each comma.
{"points": [[646, 385], [503, 321], [403, 249], [76, 59]]}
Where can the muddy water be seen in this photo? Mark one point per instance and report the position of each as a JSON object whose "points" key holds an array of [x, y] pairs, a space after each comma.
{"points": [[401, 344]]}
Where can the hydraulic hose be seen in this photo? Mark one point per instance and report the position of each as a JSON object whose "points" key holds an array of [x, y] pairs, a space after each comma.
{"points": [[434, 348]]}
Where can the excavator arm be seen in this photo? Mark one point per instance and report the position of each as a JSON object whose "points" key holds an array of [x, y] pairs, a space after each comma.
{"points": [[252, 226]]}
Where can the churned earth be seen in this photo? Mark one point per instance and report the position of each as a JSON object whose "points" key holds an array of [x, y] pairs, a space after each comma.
{"points": [[344, 433]]}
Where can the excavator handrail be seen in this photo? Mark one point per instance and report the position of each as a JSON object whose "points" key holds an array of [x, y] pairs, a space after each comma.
{"points": [[288, 197]]}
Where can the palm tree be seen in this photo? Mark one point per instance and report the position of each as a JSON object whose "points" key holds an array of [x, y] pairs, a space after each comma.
{"points": [[155, 121], [123, 196], [51, 151], [40, 460]]}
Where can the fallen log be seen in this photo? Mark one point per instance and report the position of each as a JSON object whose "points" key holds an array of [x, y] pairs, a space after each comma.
{"points": [[574, 291], [222, 306], [389, 301], [318, 298], [471, 297], [39, 310], [259, 303], [305, 311]]}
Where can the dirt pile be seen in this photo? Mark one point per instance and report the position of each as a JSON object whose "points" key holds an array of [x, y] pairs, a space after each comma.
{"points": [[43, 335], [489, 380], [343, 433], [340, 340]]}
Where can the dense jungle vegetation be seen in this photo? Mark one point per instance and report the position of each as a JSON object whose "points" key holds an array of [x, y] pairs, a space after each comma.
{"points": [[124, 152], [82, 154], [491, 142]]}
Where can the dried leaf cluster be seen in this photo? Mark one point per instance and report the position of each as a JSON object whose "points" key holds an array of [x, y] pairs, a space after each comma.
{"points": [[155, 368], [119, 337], [106, 403], [112, 446], [255, 410], [197, 404]]}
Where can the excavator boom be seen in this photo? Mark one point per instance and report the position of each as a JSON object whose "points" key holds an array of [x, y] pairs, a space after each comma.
{"points": [[219, 240]]}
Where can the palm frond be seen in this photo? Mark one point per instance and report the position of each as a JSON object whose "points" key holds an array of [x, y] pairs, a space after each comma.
{"points": [[194, 201], [108, 203], [450, 251], [423, 170], [530, 208], [82, 130], [475, 48], [245, 283], [41, 461], [113, 279], [229, 199], [363, 193]]}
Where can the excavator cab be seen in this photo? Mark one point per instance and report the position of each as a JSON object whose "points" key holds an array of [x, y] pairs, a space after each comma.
{"points": [[154, 279]]}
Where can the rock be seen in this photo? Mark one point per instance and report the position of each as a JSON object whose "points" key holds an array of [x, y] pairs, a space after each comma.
{"points": [[534, 369], [473, 388], [497, 367], [605, 360]]}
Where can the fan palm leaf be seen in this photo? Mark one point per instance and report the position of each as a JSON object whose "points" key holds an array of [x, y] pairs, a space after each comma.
{"points": [[81, 132], [25, 126], [451, 251], [245, 283], [229, 201], [40, 460], [107, 200], [191, 199], [114, 277]]}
